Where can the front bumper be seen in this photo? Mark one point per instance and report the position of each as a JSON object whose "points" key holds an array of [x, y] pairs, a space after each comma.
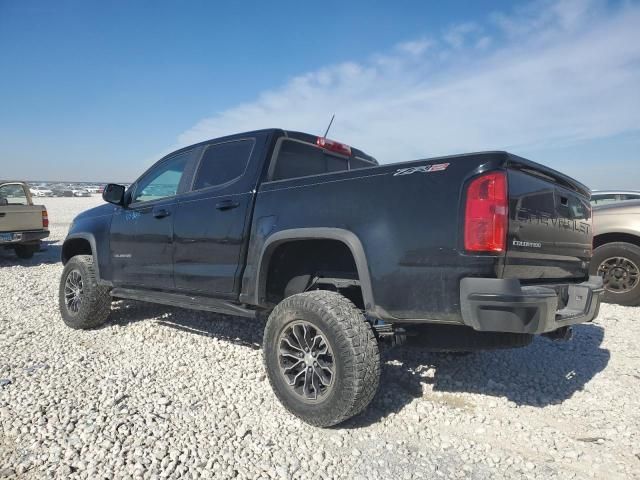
{"points": [[13, 238], [504, 305]]}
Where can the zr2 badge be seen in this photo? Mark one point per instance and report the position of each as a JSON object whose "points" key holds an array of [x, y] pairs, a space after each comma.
{"points": [[434, 167]]}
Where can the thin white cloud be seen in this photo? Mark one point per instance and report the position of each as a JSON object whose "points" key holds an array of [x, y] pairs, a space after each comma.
{"points": [[483, 42], [415, 47], [457, 35], [551, 74]]}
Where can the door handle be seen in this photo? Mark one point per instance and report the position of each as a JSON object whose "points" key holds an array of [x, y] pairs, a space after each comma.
{"points": [[161, 213], [227, 204]]}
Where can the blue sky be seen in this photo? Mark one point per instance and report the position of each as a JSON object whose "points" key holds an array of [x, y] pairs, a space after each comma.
{"points": [[100, 90]]}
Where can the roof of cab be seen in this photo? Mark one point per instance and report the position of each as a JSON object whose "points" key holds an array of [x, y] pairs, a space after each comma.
{"points": [[307, 137]]}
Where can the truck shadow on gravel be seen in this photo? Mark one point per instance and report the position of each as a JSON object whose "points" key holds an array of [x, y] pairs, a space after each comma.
{"points": [[541, 374], [237, 330], [49, 253]]}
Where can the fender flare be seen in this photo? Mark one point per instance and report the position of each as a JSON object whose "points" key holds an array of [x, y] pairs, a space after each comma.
{"points": [[347, 237], [94, 251], [617, 235]]}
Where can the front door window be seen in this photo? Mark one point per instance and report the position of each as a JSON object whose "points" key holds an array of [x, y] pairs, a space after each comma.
{"points": [[163, 181]]}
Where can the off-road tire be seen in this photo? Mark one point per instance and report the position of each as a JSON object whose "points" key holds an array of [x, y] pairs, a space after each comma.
{"points": [[354, 347], [623, 250], [26, 251], [95, 306]]}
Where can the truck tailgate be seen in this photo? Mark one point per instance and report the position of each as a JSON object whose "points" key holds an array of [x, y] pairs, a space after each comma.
{"points": [[550, 228], [17, 218]]}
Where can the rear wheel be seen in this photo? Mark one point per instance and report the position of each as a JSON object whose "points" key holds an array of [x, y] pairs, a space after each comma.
{"points": [[321, 357], [26, 251], [618, 263], [83, 302]]}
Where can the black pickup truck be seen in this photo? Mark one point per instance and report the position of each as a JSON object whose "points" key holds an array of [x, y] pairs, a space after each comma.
{"points": [[483, 250]]}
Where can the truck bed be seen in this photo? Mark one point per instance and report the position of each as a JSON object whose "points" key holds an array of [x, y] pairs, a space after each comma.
{"points": [[409, 219], [19, 218]]}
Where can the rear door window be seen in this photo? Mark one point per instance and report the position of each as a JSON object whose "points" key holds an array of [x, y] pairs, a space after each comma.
{"points": [[222, 163]]}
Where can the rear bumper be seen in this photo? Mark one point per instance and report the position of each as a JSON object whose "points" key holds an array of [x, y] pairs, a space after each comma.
{"points": [[503, 305], [24, 237]]}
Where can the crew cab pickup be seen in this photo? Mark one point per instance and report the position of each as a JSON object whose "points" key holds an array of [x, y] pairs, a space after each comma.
{"points": [[22, 224], [479, 250]]}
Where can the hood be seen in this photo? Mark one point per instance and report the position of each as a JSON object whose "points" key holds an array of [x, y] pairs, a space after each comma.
{"points": [[100, 210]]}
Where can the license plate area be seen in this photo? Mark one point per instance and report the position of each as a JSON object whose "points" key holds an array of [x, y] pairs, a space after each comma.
{"points": [[573, 301], [579, 297], [10, 237]]}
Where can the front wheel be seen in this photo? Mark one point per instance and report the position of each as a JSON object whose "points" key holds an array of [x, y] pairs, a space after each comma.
{"points": [[321, 357], [618, 263], [83, 302]]}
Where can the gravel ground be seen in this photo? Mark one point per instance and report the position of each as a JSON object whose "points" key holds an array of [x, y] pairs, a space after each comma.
{"points": [[161, 392]]}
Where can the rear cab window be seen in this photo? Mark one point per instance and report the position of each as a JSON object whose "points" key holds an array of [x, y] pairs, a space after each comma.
{"points": [[13, 194], [297, 158]]}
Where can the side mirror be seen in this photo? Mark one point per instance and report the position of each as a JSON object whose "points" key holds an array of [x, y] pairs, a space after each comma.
{"points": [[113, 193]]}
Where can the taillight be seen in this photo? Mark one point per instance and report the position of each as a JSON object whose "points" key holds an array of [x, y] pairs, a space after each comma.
{"points": [[486, 214], [333, 146], [45, 219]]}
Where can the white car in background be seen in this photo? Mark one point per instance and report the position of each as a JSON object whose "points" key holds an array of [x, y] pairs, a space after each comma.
{"points": [[81, 192], [603, 197], [40, 192]]}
